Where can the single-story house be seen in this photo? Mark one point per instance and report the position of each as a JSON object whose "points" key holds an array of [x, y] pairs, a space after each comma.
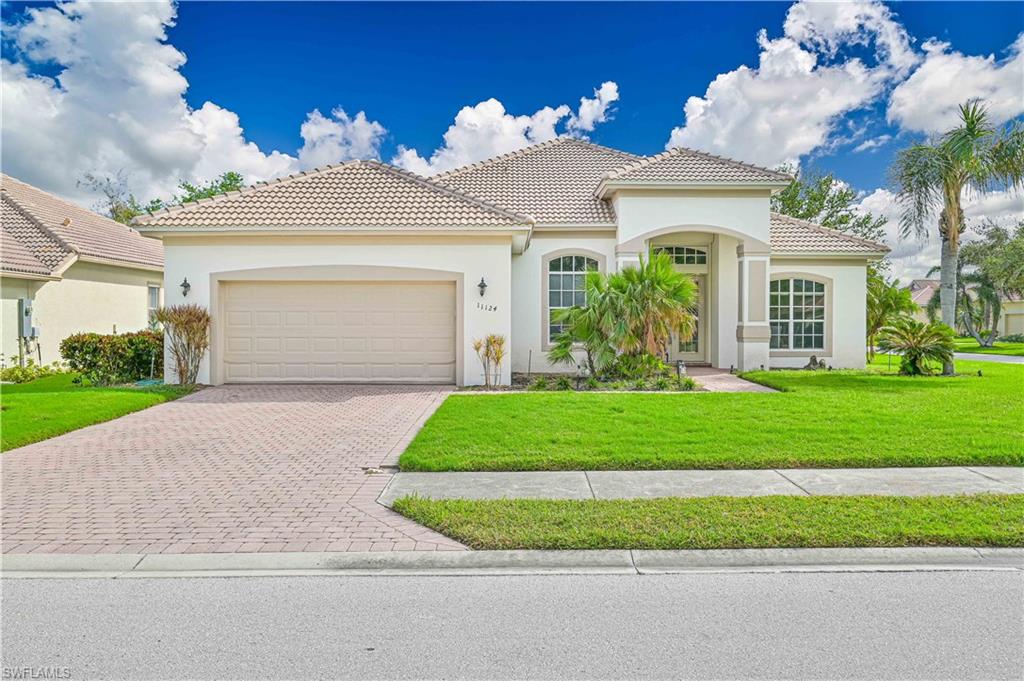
{"points": [[1012, 319], [65, 269], [364, 272], [921, 292]]}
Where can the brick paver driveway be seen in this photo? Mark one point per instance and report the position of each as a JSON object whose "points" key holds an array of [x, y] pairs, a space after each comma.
{"points": [[228, 469]]}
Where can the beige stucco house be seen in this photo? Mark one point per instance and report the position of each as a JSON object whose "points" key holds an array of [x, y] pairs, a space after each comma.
{"points": [[364, 272], [75, 270]]}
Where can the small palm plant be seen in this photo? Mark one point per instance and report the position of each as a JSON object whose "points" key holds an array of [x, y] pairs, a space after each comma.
{"points": [[589, 328], [917, 344], [654, 301]]}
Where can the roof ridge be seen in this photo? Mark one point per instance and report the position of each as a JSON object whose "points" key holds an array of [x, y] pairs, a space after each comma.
{"points": [[645, 161], [524, 152], [456, 193], [45, 229], [828, 230]]}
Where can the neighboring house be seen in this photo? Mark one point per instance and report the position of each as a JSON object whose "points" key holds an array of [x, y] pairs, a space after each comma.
{"points": [[364, 272], [81, 271], [921, 292], [1012, 320]]}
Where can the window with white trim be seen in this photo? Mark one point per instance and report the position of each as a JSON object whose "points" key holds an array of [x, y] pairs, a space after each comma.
{"points": [[567, 277], [797, 314], [152, 302], [684, 255]]}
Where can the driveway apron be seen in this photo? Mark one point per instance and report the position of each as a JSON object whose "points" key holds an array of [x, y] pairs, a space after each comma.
{"points": [[227, 469]]}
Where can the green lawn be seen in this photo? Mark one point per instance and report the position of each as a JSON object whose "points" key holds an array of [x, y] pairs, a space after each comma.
{"points": [[971, 345], [51, 406], [725, 522], [823, 419]]}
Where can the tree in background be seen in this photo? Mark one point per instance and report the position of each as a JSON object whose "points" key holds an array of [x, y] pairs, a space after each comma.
{"points": [[887, 303], [120, 204], [825, 200], [933, 176], [999, 255]]}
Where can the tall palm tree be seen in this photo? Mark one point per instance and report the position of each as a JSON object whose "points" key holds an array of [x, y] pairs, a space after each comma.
{"points": [[975, 156]]}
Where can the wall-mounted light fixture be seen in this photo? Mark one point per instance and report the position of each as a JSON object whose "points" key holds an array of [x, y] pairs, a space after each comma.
{"points": [[185, 287], [482, 286]]}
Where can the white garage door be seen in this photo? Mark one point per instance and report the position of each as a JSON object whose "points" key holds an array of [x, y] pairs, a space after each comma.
{"points": [[339, 331]]}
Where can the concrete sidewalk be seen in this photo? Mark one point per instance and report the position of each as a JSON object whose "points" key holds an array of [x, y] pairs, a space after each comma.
{"points": [[982, 357], [736, 483]]}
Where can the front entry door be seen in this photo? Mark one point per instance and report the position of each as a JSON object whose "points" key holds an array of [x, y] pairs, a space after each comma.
{"points": [[693, 351]]}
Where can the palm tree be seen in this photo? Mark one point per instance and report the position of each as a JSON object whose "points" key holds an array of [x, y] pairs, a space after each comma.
{"points": [[653, 301], [631, 312], [975, 156], [978, 304], [887, 302], [917, 343]]}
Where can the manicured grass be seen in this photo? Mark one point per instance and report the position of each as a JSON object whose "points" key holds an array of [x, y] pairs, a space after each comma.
{"points": [[54, 405], [823, 419], [1000, 348], [725, 522]]}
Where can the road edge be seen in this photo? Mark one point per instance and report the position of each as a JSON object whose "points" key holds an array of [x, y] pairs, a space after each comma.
{"points": [[637, 562]]}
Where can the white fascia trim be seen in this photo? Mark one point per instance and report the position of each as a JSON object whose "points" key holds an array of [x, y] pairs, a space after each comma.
{"points": [[6, 274], [607, 186], [875, 255], [577, 226], [120, 263], [159, 232]]}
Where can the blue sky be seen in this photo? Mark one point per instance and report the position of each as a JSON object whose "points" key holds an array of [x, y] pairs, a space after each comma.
{"points": [[157, 92], [413, 66]]}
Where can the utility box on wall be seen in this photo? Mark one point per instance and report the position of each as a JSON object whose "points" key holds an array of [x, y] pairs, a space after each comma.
{"points": [[25, 319]]}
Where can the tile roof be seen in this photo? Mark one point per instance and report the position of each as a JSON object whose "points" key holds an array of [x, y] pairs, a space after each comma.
{"points": [[354, 195], [27, 247], [52, 230], [690, 166], [922, 290], [791, 235], [552, 181]]}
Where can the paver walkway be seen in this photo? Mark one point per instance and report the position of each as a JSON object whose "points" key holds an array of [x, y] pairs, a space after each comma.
{"points": [[721, 381], [228, 469], [737, 483]]}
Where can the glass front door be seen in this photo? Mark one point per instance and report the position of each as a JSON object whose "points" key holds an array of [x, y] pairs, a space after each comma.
{"points": [[692, 351]]}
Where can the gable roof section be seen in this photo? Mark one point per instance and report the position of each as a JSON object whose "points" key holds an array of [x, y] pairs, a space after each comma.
{"points": [[53, 230], [553, 181], [358, 195], [793, 236], [688, 166]]}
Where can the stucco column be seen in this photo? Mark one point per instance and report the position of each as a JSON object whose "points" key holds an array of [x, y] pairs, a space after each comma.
{"points": [[625, 259], [752, 330]]}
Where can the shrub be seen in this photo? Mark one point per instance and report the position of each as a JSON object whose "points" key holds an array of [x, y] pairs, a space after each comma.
{"points": [[539, 383], [917, 344], [641, 366], [593, 383], [687, 383], [662, 383], [188, 332], [30, 372], [491, 351], [563, 383], [106, 359], [1013, 338]]}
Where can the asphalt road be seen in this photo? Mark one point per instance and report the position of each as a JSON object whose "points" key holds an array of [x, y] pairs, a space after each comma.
{"points": [[924, 625]]}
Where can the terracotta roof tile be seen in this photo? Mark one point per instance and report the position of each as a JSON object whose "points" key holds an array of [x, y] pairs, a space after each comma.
{"points": [[553, 181], [791, 235], [46, 224], [353, 195]]}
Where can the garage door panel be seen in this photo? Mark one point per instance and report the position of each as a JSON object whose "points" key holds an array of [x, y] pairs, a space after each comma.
{"points": [[339, 331]]}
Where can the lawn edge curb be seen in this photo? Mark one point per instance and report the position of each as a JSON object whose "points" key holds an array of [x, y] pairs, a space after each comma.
{"points": [[640, 562]]}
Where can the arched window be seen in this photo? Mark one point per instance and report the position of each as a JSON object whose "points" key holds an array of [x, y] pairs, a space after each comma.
{"points": [[566, 285], [797, 314]]}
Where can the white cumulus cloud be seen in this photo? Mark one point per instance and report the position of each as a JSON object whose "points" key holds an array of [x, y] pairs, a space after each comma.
{"points": [[913, 256], [790, 104], [928, 100], [117, 107], [487, 129]]}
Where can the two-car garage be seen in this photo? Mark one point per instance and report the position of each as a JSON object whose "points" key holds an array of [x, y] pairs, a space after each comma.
{"points": [[338, 331]]}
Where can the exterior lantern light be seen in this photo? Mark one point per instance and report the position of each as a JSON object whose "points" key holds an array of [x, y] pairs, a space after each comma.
{"points": [[680, 369], [185, 287], [482, 286]]}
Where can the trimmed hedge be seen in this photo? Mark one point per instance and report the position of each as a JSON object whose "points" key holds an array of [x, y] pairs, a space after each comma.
{"points": [[106, 359]]}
